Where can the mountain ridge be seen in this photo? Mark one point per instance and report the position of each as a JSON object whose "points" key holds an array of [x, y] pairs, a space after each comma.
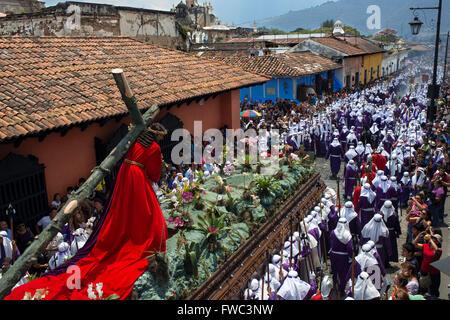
{"points": [[394, 14]]}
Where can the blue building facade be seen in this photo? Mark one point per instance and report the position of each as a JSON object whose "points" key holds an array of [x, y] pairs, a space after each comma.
{"points": [[286, 88]]}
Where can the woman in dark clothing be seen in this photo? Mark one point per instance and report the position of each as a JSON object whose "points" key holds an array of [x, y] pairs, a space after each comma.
{"points": [[23, 237]]}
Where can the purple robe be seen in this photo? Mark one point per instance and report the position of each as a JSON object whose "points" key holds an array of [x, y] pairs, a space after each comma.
{"points": [[340, 259], [359, 124], [384, 249], [323, 147], [387, 144], [366, 210], [380, 263], [315, 233], [333, 218], [312, 290], [290, 141], [336, 154], [382, 197], [350, 181], [405, 191], [370, 270], [309, 146], [360, 158], [304, 265], [343, 139], [355, 226], [393, 225], [395, 195], [316, 140]]}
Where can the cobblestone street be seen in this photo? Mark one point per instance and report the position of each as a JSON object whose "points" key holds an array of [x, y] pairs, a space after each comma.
{"points": [[323, 166]]}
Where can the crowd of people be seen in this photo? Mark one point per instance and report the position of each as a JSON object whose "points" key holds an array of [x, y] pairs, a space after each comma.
{"points": [[66, 243], [395, 167]]}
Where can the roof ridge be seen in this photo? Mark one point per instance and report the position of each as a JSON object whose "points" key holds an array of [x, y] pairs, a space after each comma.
{"points": [[63, 37]]}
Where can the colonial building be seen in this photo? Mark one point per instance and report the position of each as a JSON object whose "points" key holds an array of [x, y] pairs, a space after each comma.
{"points": [[340, 51], [73, 18], [371, 67], [291, 73], [20, 6], [61, 109], [194, 15]]}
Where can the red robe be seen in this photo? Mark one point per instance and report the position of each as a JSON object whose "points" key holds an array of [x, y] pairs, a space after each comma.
{"points": [[380, 161], [356, 195], [134, 225], [370, 176], [374, 167]]}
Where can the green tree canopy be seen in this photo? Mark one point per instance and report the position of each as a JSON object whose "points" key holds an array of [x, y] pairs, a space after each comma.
{"points": [[328, 24]]}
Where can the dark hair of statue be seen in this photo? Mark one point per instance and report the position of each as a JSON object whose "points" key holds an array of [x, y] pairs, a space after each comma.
{"points": [[147, 137]]}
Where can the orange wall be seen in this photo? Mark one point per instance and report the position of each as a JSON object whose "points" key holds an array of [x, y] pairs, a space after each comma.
{"points": [[67, 158], [214, 113], [71, 157]]}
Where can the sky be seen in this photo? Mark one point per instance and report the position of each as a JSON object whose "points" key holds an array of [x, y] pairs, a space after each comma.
{"points": [[228, 11]]}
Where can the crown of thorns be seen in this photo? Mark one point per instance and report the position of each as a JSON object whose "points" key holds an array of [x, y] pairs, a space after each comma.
{"points": [[157, 132]]}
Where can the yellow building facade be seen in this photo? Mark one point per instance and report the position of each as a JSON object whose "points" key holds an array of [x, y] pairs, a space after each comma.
{"points": [[371, 67]]}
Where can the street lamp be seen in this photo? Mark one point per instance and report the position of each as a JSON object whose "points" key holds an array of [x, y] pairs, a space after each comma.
{"points": [[415, 26], [433, 89]]}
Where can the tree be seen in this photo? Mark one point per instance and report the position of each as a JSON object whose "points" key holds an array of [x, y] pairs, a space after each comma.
{"points": [[299, 30], [328, 24], [276, 31], [351, 30]]}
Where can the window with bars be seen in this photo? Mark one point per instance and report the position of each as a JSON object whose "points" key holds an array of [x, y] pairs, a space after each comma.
{"points": [[22, 184]]}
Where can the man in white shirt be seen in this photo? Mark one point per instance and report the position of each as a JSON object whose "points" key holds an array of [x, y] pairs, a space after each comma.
{"points": [[4, 227], [45, 220]]}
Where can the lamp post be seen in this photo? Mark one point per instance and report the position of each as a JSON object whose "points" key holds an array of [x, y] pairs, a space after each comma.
{"points": [[433, 89], [445, 61]]}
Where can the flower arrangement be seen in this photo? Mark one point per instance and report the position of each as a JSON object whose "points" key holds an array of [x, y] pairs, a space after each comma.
{"points": [[40, 294], [212, 224], [228, 169], [186, 196], [200, 175], [231, 202], [177, 222], [267, 186], [98, 293]]}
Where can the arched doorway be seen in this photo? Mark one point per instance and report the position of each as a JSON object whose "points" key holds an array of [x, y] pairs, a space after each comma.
{"points": [[171, 123], [102, 150]]}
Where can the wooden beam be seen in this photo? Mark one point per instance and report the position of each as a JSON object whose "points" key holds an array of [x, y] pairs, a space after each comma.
{"points": [[103, 122], [128, 97], [42, 136], [17, 142], [64, 131], [18, 269], [83, 126]]}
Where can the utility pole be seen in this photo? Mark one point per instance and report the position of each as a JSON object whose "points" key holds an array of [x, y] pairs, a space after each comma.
{"points": [[445, 61]]}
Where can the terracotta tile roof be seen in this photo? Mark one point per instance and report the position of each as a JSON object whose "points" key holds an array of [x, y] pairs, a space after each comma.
{"points": [[275, 66], [340, 45], [308, 62], [363, 44], [287, 41], [241, 40], [47, 83]]}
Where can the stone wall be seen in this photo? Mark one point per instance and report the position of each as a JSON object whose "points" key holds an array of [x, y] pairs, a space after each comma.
{"points": [[20, 6], [87, 19]]}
